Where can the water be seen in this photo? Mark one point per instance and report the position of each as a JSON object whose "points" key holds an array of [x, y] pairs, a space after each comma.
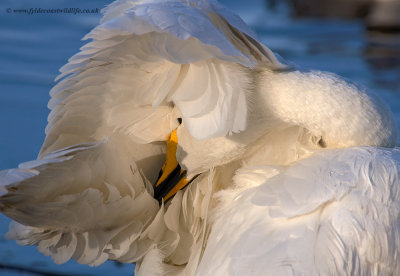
{"points": [[33, 47]]}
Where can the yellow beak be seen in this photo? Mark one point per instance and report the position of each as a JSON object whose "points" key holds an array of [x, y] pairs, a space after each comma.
{"points": [[171, 178]]}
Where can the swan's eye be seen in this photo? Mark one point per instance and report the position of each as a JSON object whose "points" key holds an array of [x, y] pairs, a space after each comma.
{"points": [[179, 120], [321, 143]]}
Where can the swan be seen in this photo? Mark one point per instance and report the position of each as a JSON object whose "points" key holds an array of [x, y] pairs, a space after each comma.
{"points": [[179, 142]]}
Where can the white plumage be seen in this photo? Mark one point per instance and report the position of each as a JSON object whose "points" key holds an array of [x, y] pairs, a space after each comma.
{"points": [[297, 170]]}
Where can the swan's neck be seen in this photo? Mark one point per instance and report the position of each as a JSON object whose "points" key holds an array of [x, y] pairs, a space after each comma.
{"points": [[341, 113], [291, 114]]}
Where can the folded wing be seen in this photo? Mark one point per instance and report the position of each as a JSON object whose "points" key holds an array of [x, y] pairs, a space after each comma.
{"points": [[88, 196]]}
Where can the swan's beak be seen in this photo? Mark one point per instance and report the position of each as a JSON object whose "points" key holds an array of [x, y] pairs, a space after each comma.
{"points": [[171, 178]]}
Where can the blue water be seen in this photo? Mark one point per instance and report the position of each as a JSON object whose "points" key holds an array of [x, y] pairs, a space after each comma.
{"points": [[33, 47]]}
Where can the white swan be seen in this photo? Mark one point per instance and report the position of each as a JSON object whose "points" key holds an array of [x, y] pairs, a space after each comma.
{"points": [[290, 174]]}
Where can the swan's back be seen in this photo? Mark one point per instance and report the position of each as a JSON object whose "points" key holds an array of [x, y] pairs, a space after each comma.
{"points": [[335, 213]]}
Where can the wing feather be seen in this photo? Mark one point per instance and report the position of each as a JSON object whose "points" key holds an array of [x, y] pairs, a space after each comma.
{"points": [[160, 52], [93, 194]]}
